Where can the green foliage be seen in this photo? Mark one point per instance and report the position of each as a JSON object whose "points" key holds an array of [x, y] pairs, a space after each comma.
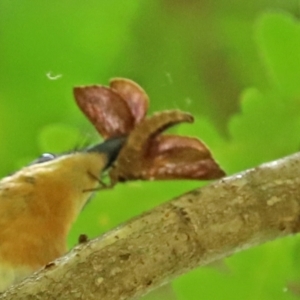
{"points": [[57, 138], [279, 39], [187, 55]]}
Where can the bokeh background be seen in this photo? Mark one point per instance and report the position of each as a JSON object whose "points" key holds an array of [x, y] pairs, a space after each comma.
{"points": [[234, 64]]}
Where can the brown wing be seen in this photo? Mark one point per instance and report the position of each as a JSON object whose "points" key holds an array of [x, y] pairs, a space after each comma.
{"points": [[179, 157], [106, 110], [133, 161], [135, 97]]}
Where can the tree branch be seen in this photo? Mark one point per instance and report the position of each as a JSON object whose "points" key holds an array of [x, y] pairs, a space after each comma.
{"points": [[202, 226]]}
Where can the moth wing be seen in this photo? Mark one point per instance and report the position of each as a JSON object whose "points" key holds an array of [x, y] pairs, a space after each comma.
{"points": [[135, 97], [180, 157], [105, 109]]}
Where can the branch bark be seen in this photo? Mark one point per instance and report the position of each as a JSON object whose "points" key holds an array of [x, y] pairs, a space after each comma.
{"points": [[197, 228]]}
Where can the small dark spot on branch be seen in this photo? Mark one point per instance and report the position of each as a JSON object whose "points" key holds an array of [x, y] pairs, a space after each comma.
{"points": [[124, 256], [195, 193], [83, 238], [296, 226], [30, 179], [149, 282], [183, 214], [50, 265], [190, 200], [282, 227]]}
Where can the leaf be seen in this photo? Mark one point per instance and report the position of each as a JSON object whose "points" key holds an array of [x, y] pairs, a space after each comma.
{"points": [[279, 40]]}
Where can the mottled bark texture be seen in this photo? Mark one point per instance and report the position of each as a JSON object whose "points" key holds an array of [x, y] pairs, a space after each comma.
{"points": [[202, 226]]}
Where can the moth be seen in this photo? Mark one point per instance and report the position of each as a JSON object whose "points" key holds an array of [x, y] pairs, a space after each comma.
{"points": [[119, 110]]}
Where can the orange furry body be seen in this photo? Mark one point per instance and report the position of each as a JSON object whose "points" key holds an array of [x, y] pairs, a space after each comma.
{"points": [[38, 205]]}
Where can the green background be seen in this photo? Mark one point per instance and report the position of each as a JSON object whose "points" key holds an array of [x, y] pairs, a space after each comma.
{"points": [[234, 64]]}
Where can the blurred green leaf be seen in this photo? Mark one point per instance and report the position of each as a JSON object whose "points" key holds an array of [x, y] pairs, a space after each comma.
{"points": [[267, 127], [278, 36], [57, 138]]}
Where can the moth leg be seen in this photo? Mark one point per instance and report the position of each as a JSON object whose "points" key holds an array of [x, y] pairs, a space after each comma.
{"points": [[102, 184]]}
